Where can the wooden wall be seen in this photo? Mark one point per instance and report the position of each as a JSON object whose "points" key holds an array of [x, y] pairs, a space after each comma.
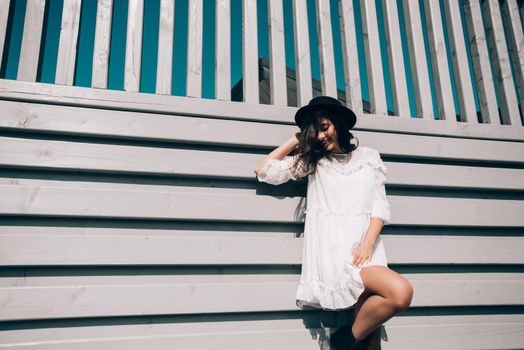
{"points": [[130, 220]]}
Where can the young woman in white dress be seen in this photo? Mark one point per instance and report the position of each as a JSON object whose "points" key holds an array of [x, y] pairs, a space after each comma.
{"points": [[343, 262]]}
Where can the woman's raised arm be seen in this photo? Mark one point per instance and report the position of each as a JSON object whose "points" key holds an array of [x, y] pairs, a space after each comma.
{"points": [[279, 153]]}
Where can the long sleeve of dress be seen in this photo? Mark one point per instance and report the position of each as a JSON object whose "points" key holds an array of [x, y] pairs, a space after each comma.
{"points": [[276, 172], [380, 207]]}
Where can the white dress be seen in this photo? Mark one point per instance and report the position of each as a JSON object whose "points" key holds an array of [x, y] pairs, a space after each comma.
{"points": [[342, 194]]}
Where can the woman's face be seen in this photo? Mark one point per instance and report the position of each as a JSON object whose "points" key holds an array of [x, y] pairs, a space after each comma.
{"points": [[327, 134]]}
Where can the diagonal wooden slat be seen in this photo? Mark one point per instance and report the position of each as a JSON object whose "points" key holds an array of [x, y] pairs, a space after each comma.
{"points": [[350, 57], [460, 63], [194, 48], [101, 47], [277, 53], [325, 49], [377, 92], [165, 47], [481, 63], [4, 14], [417, 56], [135, 19], [441, 76], [250, 52], [399, 90], [65, 65], [223, 50], [515, 38], [302, 53], [29, 52], [507, 96]]}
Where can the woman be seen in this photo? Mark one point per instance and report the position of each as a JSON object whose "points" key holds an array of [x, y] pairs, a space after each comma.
{"points": [[343, 259]]}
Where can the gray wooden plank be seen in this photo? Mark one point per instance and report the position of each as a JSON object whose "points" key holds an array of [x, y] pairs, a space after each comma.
{"points": [[419, 66], [46, 246], [223, 50], [459, 56], [399, 90], [78, 96], [481, 63], [377, 92], [4, 13], [350, 59], [249, 52], [515, 39], [133, 58], [439, 59], [41, 197], [65, 65], [75, 120], [165, 47], [29, 52], [455, 332], [325, 49], [302, 54], [132, 297], [277, 53], [102, 41], [427, 332], [153, 160], [194, 48], [507, 95]]}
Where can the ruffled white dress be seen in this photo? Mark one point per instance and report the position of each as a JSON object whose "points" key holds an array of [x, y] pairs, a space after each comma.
{"points": [[343, 193]]}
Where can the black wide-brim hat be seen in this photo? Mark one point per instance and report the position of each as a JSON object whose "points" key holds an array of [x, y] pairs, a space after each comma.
{"points": [[331, 106]]}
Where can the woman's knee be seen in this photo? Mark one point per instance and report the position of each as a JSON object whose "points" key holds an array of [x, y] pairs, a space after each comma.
{"points": [[402, 295]]}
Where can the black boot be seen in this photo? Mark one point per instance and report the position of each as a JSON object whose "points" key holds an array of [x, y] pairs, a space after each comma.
{"points": [[344, 339]]}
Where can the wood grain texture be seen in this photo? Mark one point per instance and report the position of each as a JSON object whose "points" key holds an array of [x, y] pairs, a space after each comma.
{"points": [[4, 14], [419, 68], [277, 53], [351, 62], [250, 52], [166, 30], [104, 11], [133, 60], [194, 48], [439, 59], [41, 197], [377, 92], [302, 53], [223, 50], [399, 90], [121, 159], [459, 56], [59, 246], [30, 50], [235, 293], [65, 65], [483, 331], [481, 63], [500, 59], [111, 99], [325, 49]]}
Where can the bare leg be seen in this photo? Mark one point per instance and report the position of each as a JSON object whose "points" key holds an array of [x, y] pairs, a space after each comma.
{"points": [[373, 339], [391, 293]]}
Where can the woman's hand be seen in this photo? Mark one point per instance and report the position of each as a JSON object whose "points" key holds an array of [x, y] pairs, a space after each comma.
{"points": [[362, 254], [295, 139]]}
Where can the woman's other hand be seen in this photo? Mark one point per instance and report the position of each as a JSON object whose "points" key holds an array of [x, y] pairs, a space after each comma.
{"points": [[362, 254]]}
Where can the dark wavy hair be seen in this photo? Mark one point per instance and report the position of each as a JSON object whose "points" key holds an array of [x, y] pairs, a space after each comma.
{"points": [[310, 150]]}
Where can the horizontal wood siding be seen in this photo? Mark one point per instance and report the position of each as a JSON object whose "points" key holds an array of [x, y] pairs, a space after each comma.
{"points": [[141, 224]]}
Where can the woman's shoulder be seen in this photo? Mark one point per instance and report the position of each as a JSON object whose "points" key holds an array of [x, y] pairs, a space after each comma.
{"points": [[368, 152]]}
